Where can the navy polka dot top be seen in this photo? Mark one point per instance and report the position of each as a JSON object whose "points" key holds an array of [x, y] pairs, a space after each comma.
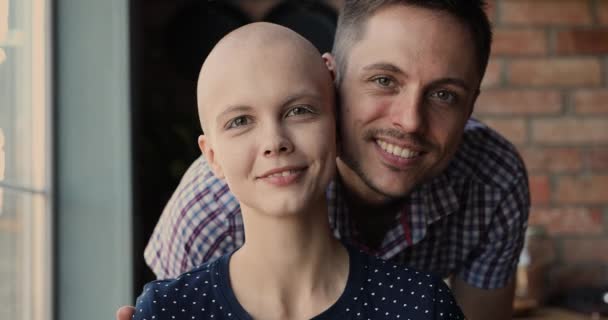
{"points": [[375, 289]]}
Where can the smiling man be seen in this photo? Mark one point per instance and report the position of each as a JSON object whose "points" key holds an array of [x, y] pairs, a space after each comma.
{"points": [[419, 182]]}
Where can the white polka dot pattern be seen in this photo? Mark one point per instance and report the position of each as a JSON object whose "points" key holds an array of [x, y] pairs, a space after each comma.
{"points": [[376, 289]]}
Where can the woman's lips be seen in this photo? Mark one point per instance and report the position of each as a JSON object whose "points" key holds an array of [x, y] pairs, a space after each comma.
{"points": [[283, 176]]}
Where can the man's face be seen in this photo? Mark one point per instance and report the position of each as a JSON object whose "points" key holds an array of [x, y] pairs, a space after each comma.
{"points": [[270, 130], [407, 92]]}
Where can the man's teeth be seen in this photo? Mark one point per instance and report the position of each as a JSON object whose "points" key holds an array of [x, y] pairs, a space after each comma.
{"points": [[396, 150], [283, 173]]}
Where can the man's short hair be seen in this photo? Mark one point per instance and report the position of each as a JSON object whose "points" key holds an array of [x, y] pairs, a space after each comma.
{"points": [[355, 13]]}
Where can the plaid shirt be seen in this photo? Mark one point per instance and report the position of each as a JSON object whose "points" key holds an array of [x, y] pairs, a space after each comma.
{"points": [[469, 221]]}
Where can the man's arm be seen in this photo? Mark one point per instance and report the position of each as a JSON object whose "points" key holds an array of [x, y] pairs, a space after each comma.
{"points": [[479, 304], [485, 287]]}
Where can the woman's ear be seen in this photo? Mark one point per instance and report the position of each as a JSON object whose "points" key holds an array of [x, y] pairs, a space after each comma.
{"points": [[330, 63], [207, 150]]}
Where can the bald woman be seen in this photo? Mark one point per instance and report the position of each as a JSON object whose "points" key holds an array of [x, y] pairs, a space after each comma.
{"points": [[266, 105]]}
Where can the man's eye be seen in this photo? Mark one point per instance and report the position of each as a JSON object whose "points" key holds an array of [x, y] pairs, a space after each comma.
{"points": [[444, 96], [238, 122], [383, 81], [298, 110]]}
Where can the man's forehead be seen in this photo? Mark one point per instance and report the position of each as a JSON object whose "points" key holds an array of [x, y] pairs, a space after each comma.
{"points": [[406, 37]]}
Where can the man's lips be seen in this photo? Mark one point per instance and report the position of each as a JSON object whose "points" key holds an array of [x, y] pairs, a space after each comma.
{"points": [[398, 150]]}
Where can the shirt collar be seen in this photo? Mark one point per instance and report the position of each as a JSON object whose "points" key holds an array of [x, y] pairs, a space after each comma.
{"points": [[427, 204]]}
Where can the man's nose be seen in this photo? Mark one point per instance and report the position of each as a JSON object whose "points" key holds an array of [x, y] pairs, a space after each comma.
{"points": [[408, 113], [276, 141]]}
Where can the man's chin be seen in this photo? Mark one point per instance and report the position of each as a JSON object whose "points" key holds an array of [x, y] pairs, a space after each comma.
{"points": [[391, 186], [392, 192]]}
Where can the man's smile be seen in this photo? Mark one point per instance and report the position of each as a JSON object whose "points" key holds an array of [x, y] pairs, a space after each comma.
{"points": [[399, 151]]}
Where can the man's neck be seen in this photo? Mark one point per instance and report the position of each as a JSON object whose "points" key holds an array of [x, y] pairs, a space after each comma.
{"points": [[289, 267], [373, 214]]}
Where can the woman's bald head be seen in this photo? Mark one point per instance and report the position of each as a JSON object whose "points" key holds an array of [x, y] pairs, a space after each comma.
{"points": [[257, 51]]}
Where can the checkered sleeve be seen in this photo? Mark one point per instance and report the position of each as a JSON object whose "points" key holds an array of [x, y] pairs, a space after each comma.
{"points": [[494, 263], [200, 222]]}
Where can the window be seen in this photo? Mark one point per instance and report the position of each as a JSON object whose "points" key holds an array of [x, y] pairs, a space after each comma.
{"points": [[25, 179]]}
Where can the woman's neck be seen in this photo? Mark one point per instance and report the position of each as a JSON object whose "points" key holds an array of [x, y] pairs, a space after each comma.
{"points": [[289, 265]]}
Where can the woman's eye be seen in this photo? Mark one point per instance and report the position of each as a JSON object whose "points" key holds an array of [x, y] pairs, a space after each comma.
{"points": [[444, 96], [298, 110], [383, 81], [238, 122]]}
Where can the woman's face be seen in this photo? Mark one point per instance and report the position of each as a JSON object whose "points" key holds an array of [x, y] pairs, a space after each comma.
{"points": [[270, 132]]}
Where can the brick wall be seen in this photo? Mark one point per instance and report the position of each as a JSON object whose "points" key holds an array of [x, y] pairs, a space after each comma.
{"points": [[546, 89]]}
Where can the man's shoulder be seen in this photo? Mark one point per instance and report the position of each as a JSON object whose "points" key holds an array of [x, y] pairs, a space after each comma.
{"points": [[200, 190], [201, 221], [487, 157], [199, 177]]}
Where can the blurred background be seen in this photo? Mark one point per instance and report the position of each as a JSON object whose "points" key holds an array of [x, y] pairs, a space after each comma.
{"points": [[98, 123]]}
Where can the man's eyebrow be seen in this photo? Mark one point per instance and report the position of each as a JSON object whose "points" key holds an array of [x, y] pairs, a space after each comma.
{"points": [[383, 66], [238, 108], [393, 68], [452, 81]]}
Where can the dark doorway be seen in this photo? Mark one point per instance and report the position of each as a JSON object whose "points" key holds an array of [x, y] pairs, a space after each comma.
{"points": [[170, 40]]}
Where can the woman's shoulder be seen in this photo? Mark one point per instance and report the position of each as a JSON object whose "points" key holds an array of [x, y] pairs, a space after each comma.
{"points": [[188, 283], [399, 289], [189, 294]]}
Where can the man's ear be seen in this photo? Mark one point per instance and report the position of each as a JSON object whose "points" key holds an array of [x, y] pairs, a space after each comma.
{"points": [[207, 150], [330, 63]]}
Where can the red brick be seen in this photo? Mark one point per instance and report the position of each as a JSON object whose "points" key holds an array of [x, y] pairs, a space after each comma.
{"points": [[591, 101], [568, 220], [493, 74], [546, 12], [519, 42], [540, 190], [597, 159], [556, 72], [518, 102], [513, 129], [582, 42], [582, 190], [554, 160], [602, 12], [570, 131], [585, 250]]}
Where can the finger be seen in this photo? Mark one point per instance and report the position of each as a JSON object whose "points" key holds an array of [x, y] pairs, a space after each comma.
{"points": [[125, 313]]}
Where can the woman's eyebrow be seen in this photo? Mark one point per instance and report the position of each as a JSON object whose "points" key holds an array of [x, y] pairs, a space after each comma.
{"points": [[299, 96], [239, 108]]}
